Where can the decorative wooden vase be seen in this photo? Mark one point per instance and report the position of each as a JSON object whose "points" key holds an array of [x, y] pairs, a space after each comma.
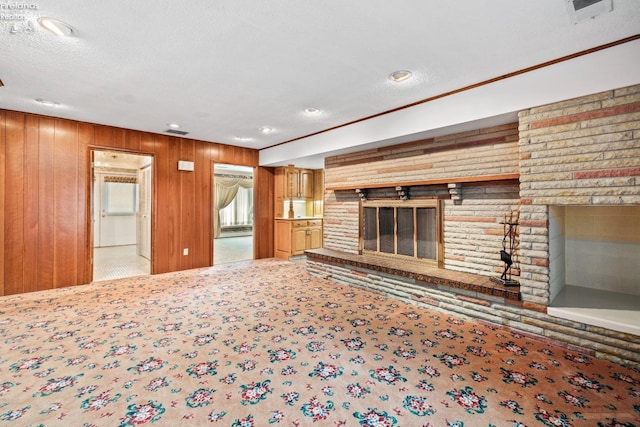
{"points": [[291, 168]]}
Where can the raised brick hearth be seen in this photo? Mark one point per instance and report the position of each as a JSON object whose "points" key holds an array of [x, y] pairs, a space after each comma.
{"points": [[467, 284]]}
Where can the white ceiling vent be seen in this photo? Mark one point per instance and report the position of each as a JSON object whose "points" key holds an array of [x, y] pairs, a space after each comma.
{"points": [[580, 10], [176, 132]]}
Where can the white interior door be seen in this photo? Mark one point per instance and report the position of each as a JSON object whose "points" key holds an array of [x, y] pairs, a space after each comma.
{"points": [[144, 213], [95, 211]]}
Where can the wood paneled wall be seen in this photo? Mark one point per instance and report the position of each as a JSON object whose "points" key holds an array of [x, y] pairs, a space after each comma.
{"points": [[263, 218], [45, 199]]}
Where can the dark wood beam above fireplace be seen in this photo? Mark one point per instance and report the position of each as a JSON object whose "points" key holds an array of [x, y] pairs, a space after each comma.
{"points": [[508, 177]]}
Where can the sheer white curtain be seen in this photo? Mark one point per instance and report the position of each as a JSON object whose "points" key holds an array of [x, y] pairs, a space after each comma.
{"points": [[226, 188], [240, 210]]}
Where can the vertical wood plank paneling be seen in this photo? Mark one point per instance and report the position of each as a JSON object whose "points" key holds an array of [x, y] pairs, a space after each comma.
{"points": [[172, 221], [255, 157], [250, 157], [225, 155], [84, 239], [110, 137], [45, 199], [65, 203], [264, 216], [14, 203], [31, 213], [234, 154], [3, 166], [207, 205], [161, 198], [168, 214], [214, 153], [132, 140], [46, 227], [187, 205], [203, 209], [147, 143]]}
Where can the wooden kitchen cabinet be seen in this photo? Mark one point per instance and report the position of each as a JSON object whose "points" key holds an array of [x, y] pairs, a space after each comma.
{"points": [[294, 236], [307, 186], [301, 184]]}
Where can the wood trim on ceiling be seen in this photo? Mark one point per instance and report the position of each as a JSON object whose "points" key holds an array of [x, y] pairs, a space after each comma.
{"points": [[471, 86]]}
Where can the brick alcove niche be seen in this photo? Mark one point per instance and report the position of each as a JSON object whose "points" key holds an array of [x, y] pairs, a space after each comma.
{"points": [[594, 265], [580, 212]]}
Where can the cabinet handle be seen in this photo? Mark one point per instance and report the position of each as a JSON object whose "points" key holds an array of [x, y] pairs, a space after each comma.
{"points": [[308, 232]]}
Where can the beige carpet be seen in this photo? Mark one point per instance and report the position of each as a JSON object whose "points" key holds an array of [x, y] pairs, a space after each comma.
{"points": [[262, 343]]}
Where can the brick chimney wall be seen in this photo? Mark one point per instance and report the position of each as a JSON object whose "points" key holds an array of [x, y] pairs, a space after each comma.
{"points": [[473, 233]]}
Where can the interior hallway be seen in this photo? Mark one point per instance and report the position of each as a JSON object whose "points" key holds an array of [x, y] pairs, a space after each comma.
{"points": [[117, 262]]}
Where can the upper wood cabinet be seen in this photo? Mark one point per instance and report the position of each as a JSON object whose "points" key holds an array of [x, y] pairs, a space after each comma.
{"points": [[303, 185], [298, 184]]}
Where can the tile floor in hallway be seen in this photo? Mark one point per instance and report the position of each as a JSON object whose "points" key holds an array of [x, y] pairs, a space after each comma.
{"points": [[232, 249], [116, 262]]}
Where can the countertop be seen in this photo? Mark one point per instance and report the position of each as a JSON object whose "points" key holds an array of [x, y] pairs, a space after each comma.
{"points": [[299, 217]]}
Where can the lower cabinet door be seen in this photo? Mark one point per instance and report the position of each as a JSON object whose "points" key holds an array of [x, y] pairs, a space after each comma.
{"points": [[315, 238], [298, 241]]}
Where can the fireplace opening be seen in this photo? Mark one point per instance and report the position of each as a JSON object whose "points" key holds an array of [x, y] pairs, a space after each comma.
{"points": [[405, 229], [594, 265]]}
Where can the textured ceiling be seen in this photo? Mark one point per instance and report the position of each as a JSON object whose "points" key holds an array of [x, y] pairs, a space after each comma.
{"points": [[223, 69]]}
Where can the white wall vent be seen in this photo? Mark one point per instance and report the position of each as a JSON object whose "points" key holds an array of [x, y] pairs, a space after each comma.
{"points": [[580, 10], [176, 132]]}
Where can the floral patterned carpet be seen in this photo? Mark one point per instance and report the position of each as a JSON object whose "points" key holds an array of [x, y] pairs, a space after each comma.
{"points": [[263, 343]]}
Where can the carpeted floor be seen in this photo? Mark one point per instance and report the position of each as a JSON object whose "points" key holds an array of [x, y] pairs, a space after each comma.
{"points": [[262, 343]]}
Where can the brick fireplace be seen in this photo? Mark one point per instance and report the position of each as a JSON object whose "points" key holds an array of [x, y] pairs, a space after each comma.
{"points": [[557, 161]]}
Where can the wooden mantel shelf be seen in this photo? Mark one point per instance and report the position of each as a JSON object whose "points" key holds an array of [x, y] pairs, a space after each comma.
{"points": [[466, 179]]}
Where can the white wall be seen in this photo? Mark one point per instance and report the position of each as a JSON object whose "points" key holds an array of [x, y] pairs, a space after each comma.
{"points": [[557, 262]]}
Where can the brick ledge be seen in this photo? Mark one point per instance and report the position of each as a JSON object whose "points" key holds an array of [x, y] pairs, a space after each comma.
{"points": [[423, 275]]}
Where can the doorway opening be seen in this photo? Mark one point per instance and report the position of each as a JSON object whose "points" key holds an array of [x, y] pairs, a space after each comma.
{"points": [[121, 214], [232, 213]]}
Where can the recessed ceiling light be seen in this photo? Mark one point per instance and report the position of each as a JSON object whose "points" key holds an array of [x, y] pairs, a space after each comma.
{"points": [[400, 76], [266, 129], [243, 138], [312, 110], [47, 102], [57, 27], [173, 125]]}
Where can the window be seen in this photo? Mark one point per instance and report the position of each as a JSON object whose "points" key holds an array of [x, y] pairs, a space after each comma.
{"points": [[121, 195], [409, 229]]}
